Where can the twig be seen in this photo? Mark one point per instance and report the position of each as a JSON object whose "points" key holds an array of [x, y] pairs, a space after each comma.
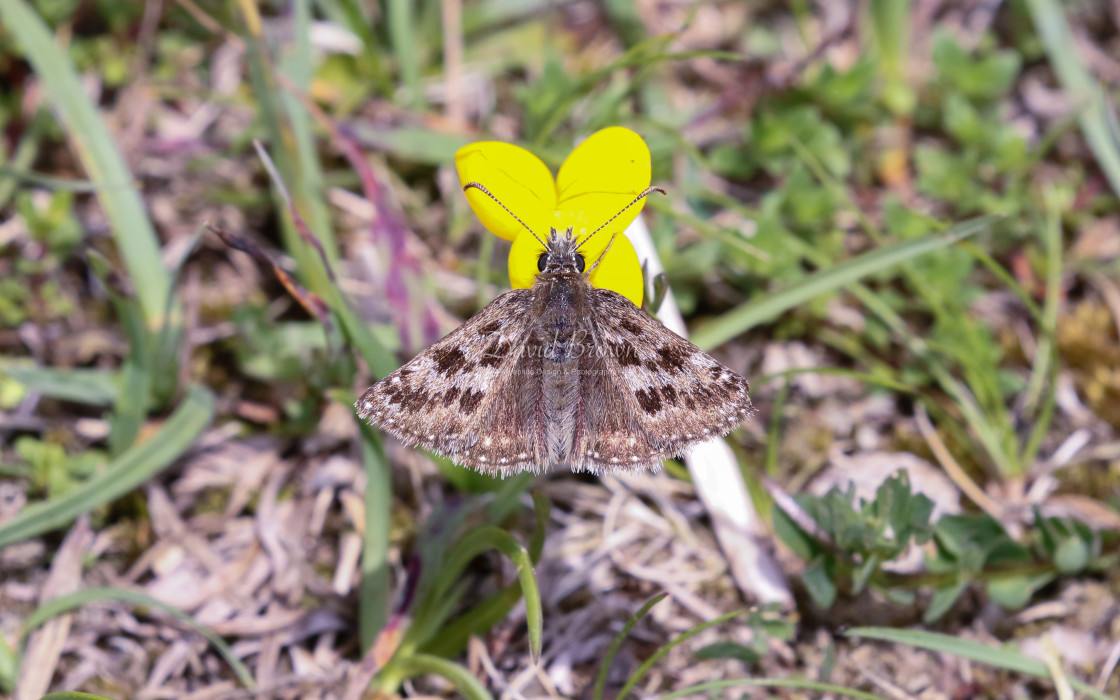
{"points": [[309, 300], [1109, 666], [301, 225]]}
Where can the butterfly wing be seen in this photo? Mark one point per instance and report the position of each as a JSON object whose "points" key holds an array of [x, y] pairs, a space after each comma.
{"points": [[646, 393], [467, 395]]}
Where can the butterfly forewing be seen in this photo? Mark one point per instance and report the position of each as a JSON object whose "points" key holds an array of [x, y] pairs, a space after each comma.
{"points": [[464, 397]]}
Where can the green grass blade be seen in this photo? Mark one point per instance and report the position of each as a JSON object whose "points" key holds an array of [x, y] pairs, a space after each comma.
{"points": [[14, 171], [496, 538], [667, 647], [272, 104], [64, 604], [307, 183], [753, 313], [136, 238], [432, 611], [1052, 240], [616, 644], [122, 475], [14, 175], [712, 686], [406, 48], [542, 508], [374, 597], [131, 406], [774, 431], [1090, 101], [864, 377], [91, 387], [463, 680], [9, 666], [69, 695], [453, 637], [979, 652]]}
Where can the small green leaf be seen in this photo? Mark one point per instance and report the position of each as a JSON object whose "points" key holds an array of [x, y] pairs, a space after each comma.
{"points": [[863, 573], [791, 534], [982, 77], [818, 581], [1013, 592], [900, 596], [1072, 555], [942, 601]]}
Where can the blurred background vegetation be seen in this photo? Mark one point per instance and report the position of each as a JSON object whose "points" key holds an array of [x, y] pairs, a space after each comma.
{"points": [[219, 219]]}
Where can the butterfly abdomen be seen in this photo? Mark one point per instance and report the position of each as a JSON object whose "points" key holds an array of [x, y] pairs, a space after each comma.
{"points": [[562, 343]]}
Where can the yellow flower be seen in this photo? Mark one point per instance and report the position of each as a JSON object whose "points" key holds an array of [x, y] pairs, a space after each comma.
{"points": [[597, 180]]}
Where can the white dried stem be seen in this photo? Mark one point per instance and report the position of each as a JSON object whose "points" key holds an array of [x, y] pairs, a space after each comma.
{"points": [[716, 475]]}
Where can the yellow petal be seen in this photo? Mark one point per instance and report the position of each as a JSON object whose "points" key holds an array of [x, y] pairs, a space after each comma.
{"points": [[619, 270], [600, 177], [516, 177], [523, 256]]}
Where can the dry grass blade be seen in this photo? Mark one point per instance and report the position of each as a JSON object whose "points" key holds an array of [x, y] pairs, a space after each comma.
{"points": [[953, 469], [44, 645]]}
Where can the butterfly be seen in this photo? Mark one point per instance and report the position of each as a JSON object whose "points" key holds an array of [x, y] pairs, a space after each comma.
{"points": [[562, 374]]}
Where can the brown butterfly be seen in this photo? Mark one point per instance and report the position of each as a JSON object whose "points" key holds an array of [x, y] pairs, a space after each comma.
{"points": [[559, 375]]}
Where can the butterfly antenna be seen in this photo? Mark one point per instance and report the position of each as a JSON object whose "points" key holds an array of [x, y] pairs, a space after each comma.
{"points": [[478, 186], [641, 195]]}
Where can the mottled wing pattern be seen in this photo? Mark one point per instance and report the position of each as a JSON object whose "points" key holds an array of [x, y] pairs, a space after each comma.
{"points": [[648, 394], [464, 396], [511, 433]]}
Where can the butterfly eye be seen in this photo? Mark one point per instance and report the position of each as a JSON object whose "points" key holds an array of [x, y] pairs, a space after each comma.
{"points": [[542, 261], [579, 261]]}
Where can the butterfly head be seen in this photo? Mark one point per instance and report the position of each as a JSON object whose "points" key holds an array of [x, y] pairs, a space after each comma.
{"points": [[560, 254]]}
